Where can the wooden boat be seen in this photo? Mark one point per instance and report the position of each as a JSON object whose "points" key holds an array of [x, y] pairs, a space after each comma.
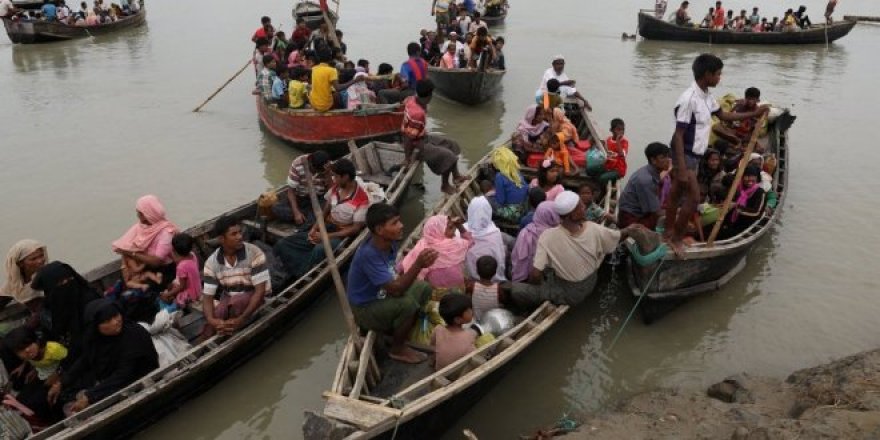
{"points": [[311, 12], [470, 87], [406, 401], [128, 410], [27, 4], [30, 32], [863, 18], [495, 16], [652, 28], [312, 130], [705, 269]]}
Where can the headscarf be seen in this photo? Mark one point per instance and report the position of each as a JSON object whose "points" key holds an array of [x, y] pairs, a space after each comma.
{"points": [[67, 294], [15, 282], [508, 165], [479, 220], [744, 194], [561, 124], [140, 236], [523, 253], [766, 180], [527, 128], [451, 251], [104, 354]]}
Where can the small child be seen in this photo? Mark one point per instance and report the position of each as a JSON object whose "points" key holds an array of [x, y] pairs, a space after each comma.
{"points": [[536, 195], [279, 88], [596, 214], [452, 341], [618, 147], [137, 277], [186, 289], [485, 294], [297, 91], [45, 357], [552, 98], [558, 153]]}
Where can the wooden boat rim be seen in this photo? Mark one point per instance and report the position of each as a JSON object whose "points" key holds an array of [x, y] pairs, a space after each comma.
{"points": [[215, 348], [493, 72], [54, 24]]}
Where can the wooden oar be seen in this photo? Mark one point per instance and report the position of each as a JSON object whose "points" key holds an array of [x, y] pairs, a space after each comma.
{"points": [[248, 63], [733, 187], [331, 257]]}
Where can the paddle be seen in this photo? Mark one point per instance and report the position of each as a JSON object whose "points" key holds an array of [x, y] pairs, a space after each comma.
{"points": [[248, 63], [331, 257], [733, 187]]}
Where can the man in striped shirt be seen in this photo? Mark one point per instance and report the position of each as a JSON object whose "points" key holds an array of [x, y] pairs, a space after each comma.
{"points": [[297, 207], [236, 279]]}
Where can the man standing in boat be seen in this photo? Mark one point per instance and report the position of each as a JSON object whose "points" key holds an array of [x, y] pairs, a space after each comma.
{"points": [[693, 123], [566, 85]]}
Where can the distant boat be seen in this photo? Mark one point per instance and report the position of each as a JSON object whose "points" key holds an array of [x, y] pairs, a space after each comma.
{"points": [[653, 28], [703, 268], [466, 86], [312, 130], [495, 16], [311, 13], [30, 32]]}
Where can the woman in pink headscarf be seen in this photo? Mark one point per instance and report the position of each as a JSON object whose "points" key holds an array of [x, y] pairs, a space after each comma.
{"points": [[523, 253], [149, 240], [439, 233]]}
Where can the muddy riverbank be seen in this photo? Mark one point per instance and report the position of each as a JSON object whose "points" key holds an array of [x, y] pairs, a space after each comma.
{"points": [[840, 399]]}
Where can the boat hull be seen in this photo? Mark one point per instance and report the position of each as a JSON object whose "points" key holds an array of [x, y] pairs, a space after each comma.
{"points": [[468, 87], [310, 12], [652, 28], [35, 32], [495, 20], [310, 130]]}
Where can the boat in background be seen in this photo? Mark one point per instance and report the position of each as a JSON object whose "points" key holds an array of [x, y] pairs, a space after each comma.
{"points": [[495, 15], [467, 86], [31, 32], [311, 13], [311, 130], [653, 28]]}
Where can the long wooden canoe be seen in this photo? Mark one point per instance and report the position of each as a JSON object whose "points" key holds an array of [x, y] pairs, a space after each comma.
{"points": [[30, 32], [311, 12], [125, 412], [409, 402], [467, 86], [652, 28], [703, 268], [311, 130]]}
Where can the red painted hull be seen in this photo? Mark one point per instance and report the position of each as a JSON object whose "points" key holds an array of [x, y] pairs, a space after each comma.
{"points": [[313, 130]]}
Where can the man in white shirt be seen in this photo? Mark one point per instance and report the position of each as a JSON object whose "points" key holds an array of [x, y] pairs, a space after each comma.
{"points": [[693, 123], [462, 52], [6, 8], [566, 85]]}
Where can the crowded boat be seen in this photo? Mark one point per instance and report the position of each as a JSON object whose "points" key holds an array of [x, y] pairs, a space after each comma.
{"points": [[57, 11], [719, 18]]}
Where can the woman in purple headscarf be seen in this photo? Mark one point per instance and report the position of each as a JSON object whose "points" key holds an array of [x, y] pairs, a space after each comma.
{"points": [[527, 241]]}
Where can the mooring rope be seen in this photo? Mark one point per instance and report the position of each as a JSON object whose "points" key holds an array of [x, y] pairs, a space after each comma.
{"points": [[635, 307]]}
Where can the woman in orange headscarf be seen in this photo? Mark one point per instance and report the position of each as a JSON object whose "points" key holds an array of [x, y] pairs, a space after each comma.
{"points": [[561, 125], [149, 240]]}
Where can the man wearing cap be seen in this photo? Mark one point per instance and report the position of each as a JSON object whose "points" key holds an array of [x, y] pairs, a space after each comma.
{"points": [[567, 257], [566, 85], [297, 207]]}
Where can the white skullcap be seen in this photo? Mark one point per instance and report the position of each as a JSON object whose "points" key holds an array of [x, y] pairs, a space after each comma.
{"points": [[558, 58], [565, 202], [754, 156]]}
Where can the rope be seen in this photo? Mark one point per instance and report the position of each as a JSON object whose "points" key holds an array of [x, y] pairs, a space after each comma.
{"points": [[633, 311]]}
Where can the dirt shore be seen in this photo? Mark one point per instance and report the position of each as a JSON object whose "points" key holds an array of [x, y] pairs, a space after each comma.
{"points": [[838, 400]]}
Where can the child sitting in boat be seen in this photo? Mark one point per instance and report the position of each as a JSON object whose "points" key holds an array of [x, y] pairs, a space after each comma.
{"points": [[297, 89], [44, 356], [587, 192], [452, 341], [485, 293], [138, 280], [186, 289], [558, 153], [617, 146], [535, 196], [488, 190]]}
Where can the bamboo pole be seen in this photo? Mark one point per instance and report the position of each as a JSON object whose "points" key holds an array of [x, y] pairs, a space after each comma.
{"points": [[733, 187], [331, 257], [248, 63]]}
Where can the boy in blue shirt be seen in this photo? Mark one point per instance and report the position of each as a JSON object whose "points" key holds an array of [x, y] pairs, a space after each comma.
{"points": [[382, 299], [49, 10]]}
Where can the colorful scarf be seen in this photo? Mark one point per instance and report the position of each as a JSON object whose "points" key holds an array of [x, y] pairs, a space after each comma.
{"points": [[742, 199], [561, 124], [16, 286], [140, 236], [451, 251], [526, 128], [507, 164], [523, 253]]}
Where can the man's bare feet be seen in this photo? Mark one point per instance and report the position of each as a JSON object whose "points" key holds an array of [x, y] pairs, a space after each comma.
{"points": [[460, 179], [408, 355], [677, 246]]}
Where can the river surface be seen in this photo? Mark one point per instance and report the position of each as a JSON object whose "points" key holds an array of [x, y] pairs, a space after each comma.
{"points": [[88, 126]]}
